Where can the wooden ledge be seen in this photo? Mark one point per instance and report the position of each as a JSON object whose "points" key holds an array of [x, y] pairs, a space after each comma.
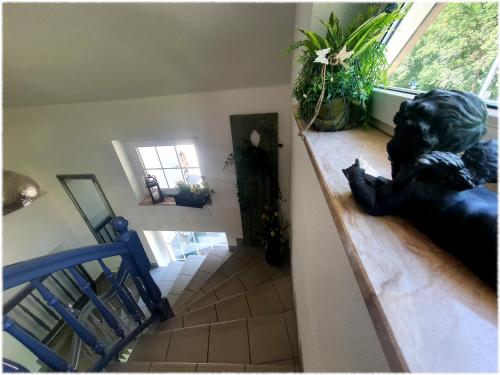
{"points": [[431, 314], [168, 201]]}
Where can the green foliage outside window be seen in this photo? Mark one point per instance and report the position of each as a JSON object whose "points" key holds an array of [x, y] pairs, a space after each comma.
{"points": [[456, 52]]}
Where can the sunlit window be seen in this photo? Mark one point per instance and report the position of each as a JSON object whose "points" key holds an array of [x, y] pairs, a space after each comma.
{"points": [[171, 164], [455, 47], [180, 244]]}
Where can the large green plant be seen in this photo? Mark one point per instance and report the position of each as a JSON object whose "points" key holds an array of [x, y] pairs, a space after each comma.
{"points": [[360, 61]]}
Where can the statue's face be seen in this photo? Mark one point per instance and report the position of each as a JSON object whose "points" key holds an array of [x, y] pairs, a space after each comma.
{"points": [[408, 141], [439, 120]]}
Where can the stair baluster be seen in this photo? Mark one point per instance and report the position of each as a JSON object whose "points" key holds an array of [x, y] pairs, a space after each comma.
{"points": [[45, 354], [72, 282], [39, 321], [141, 261], [129, 303], [72, 321], [138, 284], [65, 291], [44, 306], [106, 314]]}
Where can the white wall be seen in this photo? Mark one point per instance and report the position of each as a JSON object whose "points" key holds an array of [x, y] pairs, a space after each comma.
{"points": [[335, 331], [43, 141]]}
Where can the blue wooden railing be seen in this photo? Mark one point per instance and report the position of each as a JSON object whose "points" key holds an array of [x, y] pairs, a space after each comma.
{"points": [[134, 264]]}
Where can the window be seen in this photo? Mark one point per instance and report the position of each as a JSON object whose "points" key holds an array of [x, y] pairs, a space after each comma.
{"points": [[448, 46], [182, 244], [171, 164]]}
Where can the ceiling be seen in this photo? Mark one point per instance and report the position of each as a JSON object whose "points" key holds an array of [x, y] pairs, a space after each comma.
{"points": [[70, 52]]}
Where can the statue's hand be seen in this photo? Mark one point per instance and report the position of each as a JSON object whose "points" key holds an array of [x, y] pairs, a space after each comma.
{"points": [[354, 171]]}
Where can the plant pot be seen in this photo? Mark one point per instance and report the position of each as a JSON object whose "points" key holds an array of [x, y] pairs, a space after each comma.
{"points": [[275, 253], [336, 115], [190, 200]]}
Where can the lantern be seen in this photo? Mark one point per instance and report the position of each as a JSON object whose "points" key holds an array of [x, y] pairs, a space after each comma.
{"points": [[153, 188]]}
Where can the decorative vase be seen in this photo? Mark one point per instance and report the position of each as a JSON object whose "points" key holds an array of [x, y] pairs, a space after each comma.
{"points": [[275, 253], [336, 115]]}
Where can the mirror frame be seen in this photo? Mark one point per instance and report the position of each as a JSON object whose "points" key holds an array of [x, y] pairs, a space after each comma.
{"points": [[62, 179]]}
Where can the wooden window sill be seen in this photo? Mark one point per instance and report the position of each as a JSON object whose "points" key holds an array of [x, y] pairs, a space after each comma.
{"points": [[431, 314], [168, 201]]}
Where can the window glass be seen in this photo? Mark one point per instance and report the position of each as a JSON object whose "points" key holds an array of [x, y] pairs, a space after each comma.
{"points": [[171, 164], [149, 157], [192, 175], [458, 51], [187, 156], [158, 173], [203, 240], [191, 249], [168, 157], [218, 239], [182, 243], [173, 176], [178, 250], [169, 236]]}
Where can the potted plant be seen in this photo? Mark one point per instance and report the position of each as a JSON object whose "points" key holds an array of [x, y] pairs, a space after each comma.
{"points": [[273, 236], [339, 71], [192, 195]]}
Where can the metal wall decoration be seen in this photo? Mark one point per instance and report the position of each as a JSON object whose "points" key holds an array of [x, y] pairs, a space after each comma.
{"points": [[18, 191], [437, 190]]}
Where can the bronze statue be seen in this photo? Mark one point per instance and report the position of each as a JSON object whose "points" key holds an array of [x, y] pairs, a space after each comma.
{"points": [[433, 187]]}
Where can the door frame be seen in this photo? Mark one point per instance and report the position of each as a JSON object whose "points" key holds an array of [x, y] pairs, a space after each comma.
{"points": [[63, 177]]}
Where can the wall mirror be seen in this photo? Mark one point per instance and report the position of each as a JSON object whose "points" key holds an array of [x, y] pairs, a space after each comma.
{"points": [[89, 199]]}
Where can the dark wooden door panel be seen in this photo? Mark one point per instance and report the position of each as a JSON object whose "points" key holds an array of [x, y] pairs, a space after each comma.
{"points": [[262, 188]]}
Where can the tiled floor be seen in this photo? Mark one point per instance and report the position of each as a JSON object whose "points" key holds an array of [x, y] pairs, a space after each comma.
{"points": [[255, 340], [173, 279], [197, 367], [234, 313], [249, 278], [270, 298], [203, 273]]}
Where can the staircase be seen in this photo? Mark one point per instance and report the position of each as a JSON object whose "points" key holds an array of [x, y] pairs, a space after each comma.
{"points": [[236, 314]]}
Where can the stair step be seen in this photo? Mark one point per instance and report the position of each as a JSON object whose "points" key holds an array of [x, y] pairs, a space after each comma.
{"points": [[270, 298], [199, 276], [254, 275], [208, 273], [230, 267], [198, 367], [256, 340]]}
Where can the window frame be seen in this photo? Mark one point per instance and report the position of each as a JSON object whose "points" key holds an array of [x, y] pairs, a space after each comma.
{"points": [[387, 102], [433, 10], [162, 143]]}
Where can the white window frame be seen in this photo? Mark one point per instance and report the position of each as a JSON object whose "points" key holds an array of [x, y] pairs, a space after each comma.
{"points": [[400, 40], [166, 142], [387, 102]]}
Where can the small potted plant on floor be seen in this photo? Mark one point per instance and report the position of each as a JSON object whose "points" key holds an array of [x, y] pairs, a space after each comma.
{"points": [[274, 231], [339, 71], [192, 195]]}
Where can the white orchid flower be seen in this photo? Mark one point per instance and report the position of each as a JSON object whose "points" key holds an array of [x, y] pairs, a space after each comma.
{"points": [[321, 56], [343, 55]]}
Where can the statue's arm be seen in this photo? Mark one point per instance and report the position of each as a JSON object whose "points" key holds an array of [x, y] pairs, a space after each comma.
{"points": [[377, 198]]}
